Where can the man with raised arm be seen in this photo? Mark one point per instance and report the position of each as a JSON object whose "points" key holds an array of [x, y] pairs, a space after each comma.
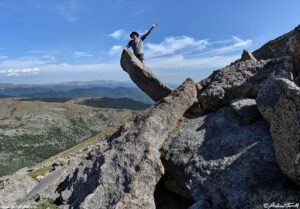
{"points": [[137, 44]]}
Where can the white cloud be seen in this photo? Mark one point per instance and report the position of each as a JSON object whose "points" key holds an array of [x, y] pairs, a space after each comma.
{"points": [[78, 54], [176, 56], [115, 49], [172, 44], [21, 72], [66, 67], [13, 74], [22, 62], [50, 58], [119, 34], [181, 62], [3, 57], [34, 51]]}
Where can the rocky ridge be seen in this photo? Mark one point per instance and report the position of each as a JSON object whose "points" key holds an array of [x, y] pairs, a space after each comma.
{"points": [[195, 145]]}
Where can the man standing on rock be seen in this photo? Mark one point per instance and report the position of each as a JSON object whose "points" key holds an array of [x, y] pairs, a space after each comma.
{"points": [[137, 44]]}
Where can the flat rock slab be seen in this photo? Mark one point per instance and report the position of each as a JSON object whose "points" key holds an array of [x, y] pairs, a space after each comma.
{"points": [[219, 162], [123, 171], [143, 77]]}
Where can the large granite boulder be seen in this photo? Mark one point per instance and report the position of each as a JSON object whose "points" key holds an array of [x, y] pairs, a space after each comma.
{"points": [[220, 163], [240, 79], [268, 96], [285, 130], [143, 77], [123, 171]]}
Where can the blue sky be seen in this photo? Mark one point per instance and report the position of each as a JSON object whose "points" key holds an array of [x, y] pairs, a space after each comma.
{"points": [[47, 41]]}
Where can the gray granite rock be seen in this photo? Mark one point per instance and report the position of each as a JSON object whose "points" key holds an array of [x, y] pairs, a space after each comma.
{"points": [[14, 189], [247, 56], [219, 162], [279, 47], [285, 130], [240, 79], [124, 170], [246, 109], [143, 77], [269, 95], [287, 44]]}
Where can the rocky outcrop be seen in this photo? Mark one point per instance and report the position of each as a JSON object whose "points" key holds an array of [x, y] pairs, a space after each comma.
{"points": [[285, 130], [240, 79], [247, 56], [220, 163], [287, 44], [282, 46], [143, 77], [246, 109], [224, 159], [124, 170]]}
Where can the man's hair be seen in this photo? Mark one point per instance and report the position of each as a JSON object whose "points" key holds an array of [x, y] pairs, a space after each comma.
{"points": [[131, 34]]}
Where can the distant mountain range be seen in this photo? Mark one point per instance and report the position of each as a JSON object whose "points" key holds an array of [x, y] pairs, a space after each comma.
{"points": [[77, 89], [119, 92], [101, 102], [20, 89]]}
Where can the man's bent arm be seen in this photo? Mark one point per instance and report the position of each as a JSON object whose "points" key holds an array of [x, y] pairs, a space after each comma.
{"points": [[149, 31]]}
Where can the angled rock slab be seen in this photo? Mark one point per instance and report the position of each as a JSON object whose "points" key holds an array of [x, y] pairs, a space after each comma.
{"points": [[219, 162], [123, 171], [285, 130], [143, 77], [240, 79]]}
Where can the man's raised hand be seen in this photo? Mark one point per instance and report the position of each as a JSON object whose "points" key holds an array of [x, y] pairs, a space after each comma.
{"points": [[153, 26]]}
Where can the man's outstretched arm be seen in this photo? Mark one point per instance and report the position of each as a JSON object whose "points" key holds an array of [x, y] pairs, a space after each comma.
{"points": [[149, 31]]}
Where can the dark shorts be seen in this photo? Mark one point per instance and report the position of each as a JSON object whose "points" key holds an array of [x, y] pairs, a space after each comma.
{"points": [[140, 56]]}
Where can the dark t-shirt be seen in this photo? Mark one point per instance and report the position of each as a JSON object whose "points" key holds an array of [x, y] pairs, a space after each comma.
{"points": [[137, 45]]}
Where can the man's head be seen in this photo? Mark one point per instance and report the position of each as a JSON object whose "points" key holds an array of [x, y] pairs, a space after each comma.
{"points": [[134, 35]]}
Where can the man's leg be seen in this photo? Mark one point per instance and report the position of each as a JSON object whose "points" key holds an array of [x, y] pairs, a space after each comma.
{"points": [[140, 57]]}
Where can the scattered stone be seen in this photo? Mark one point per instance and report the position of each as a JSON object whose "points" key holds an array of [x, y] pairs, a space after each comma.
{"points": [[246, 109], [285, 130], [143, 77]]}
